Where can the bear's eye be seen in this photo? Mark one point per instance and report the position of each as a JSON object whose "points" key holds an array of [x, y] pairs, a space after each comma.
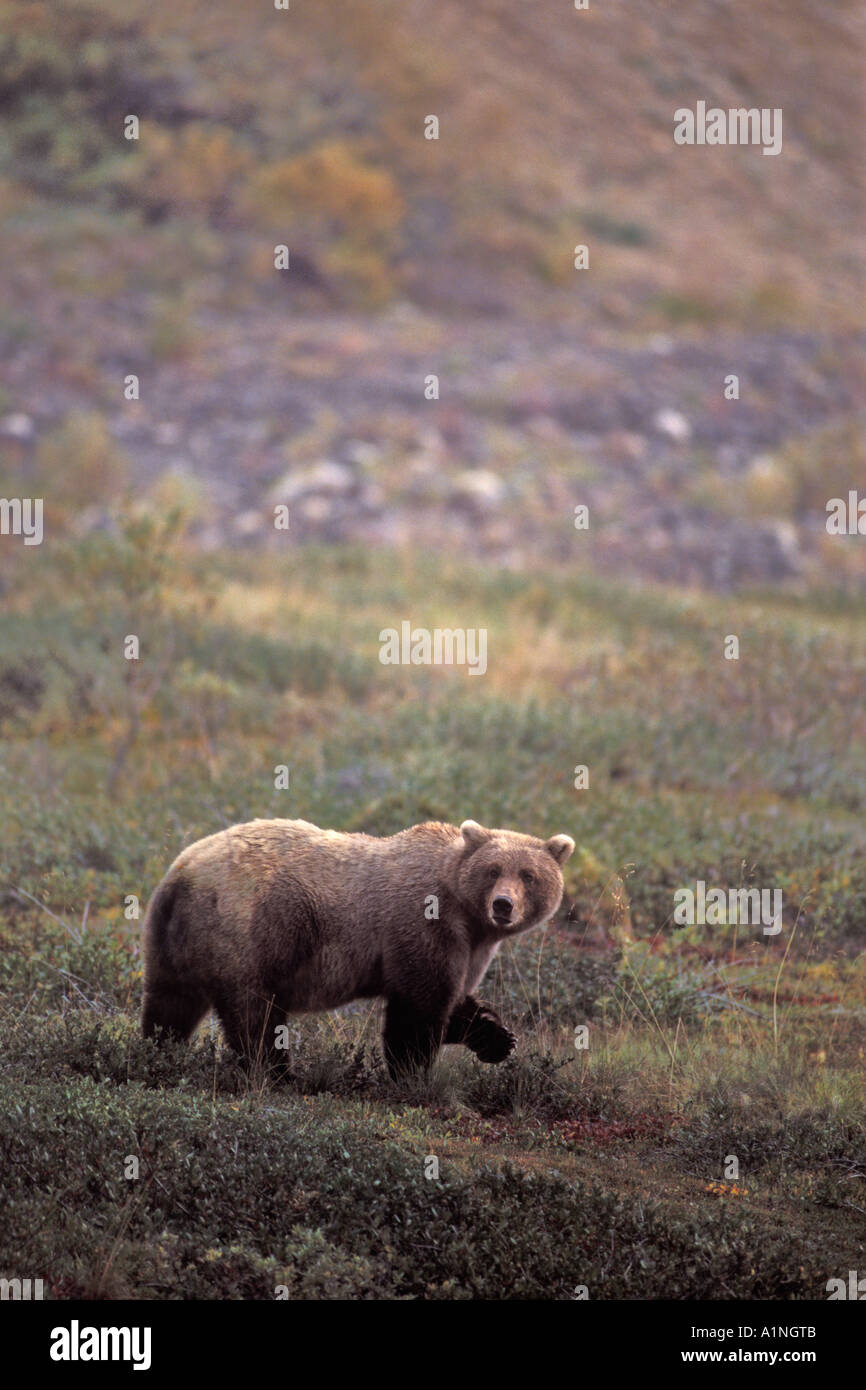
{"points": [[527, 876], [494, 871]]}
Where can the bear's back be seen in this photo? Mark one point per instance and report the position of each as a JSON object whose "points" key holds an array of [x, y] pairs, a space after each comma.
{"points": [[329, 863]]}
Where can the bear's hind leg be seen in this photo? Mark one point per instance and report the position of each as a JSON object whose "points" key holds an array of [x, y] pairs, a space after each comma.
{"points": [[171, 1011], [411, 1038]]}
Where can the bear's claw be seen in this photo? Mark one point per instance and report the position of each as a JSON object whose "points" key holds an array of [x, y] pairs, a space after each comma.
{"points": [[493, 1042]]}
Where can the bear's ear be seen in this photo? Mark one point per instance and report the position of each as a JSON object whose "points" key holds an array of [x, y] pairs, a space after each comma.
{"points": [[560, 846], [474, 834]]}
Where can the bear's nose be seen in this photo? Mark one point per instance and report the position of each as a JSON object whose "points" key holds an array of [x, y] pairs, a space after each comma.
{"points": [[502, 907]]}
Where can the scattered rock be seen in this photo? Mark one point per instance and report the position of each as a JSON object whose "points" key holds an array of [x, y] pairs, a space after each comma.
{"points": [[579, 418], [315, 510], [362, 454], [480, 487], [672, 425], [18, 426], [326, 478]]}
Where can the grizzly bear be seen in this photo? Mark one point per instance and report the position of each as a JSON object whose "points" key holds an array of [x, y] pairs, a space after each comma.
{"points": [[277, 917]]}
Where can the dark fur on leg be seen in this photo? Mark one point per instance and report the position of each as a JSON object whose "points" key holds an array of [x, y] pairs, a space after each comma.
{"points": [[411, 1039], [250, 1029], [171, 1012]]}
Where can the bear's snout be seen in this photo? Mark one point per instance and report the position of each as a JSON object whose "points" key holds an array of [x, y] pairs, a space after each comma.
{"points": [[502, 907], [505, 904]]}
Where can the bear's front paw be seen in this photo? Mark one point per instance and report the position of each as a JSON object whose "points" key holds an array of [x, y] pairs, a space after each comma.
{"points": [[493, 1043]]}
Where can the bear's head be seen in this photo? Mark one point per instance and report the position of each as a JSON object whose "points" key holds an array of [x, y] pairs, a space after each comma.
{"points": [[510, 882]]}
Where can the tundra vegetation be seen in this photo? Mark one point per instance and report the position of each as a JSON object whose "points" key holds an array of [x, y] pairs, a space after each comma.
{"points": [[608, 1165]]}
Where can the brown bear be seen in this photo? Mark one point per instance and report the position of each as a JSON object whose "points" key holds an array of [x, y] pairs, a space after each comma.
{"points": [[277, 917]]}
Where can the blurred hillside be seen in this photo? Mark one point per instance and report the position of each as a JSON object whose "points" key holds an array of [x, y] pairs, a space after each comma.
{"points": [[412, 256], [555, 127]]}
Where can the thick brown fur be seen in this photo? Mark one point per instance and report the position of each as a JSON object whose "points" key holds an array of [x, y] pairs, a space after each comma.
{"points": [[277, 917]]}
